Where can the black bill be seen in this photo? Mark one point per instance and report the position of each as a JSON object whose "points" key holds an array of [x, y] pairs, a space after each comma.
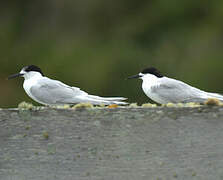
{"points": [[15, 75], [135, 76]]}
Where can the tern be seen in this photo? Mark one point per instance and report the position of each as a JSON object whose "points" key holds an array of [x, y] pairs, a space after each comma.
{"points": [[163, 90], [47, 91]]}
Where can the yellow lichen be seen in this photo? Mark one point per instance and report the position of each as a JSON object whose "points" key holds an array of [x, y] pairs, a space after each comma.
{"points": [[27, 127], [65, 106], [179, 105], [148, 105], [169, 105], [83, 105], [192, 104], [45, 135], [175, 175], [25, 105], [194, 173]]}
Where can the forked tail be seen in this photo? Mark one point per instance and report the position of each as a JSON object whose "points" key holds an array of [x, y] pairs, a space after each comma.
{"points": [[106, 100]]}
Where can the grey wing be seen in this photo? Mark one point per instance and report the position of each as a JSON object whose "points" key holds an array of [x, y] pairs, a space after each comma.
{"points": [[51, 91], [177, 91]]}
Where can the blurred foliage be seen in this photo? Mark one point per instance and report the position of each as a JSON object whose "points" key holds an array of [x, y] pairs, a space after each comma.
{"points": [[96, 44]]}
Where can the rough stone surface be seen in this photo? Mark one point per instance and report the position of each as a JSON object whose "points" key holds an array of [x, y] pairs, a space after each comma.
{"points": [[112, 144]]}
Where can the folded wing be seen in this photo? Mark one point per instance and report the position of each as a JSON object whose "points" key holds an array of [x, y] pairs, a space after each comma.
{"points": [[48, 91], [176, 91]]}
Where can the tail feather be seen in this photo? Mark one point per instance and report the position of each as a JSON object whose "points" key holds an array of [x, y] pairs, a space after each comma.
{"points": [[105, 100], [108, 98], [215, 95]]}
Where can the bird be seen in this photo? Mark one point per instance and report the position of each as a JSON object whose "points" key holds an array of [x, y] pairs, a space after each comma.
{"points": [[47, 91], [163, 90]]}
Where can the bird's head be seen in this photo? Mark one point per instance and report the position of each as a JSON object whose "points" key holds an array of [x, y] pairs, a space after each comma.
{"points": [[148, 72], [28, 72]]}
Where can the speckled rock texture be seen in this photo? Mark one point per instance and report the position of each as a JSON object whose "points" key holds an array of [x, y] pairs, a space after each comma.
{"points": [[112, 144]]}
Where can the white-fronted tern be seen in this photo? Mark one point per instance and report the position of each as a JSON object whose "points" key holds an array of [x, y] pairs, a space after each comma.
{"points": [[53, 92], [165, 90]]}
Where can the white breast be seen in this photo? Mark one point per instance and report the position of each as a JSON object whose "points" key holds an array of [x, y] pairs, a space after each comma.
{"points": [[28, 84], [150, 81]]}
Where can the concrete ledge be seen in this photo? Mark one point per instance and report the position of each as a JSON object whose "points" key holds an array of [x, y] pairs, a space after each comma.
{"points": [[112, 144]]}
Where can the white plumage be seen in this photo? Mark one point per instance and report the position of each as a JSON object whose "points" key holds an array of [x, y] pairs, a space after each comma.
{"points": [[53, 92], [164, 90]]}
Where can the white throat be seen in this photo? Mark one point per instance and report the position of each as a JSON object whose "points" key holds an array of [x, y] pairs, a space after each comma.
{"points": [[31, 79], [150, 81]]}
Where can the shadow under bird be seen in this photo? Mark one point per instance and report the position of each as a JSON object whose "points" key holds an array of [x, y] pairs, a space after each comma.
{"points": [[165, 90], [53, 92]]}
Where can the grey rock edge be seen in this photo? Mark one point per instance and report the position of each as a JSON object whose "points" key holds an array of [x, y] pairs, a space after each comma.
{"points": [[112, 144]]}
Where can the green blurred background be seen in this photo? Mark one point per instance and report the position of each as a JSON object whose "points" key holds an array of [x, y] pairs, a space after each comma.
{"points": [[96, 44]]}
